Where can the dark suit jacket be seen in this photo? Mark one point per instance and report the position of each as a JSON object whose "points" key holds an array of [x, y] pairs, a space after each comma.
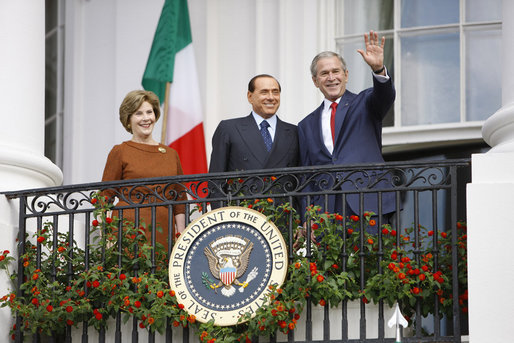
{"points": [[358, 139], [237, 144]]}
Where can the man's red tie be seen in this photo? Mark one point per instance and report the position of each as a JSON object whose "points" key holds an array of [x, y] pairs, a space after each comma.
{"points": [[333, 106]]}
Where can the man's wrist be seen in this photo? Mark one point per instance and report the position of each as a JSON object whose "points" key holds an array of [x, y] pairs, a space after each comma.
{"points": [[378, 71]]}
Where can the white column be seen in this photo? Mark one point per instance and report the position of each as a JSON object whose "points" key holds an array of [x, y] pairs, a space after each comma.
{"points": [[22, 97], [490, 204], [22, 124]]}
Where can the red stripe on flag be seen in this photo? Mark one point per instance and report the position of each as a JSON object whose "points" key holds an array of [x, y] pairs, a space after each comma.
{"points": [[191, 150]]}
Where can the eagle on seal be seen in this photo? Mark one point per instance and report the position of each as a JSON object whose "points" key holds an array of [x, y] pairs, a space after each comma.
{"points": [[228, 259]]}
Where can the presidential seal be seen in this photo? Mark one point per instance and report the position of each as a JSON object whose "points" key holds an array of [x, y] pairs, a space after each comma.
{"points": [[222, 265]]}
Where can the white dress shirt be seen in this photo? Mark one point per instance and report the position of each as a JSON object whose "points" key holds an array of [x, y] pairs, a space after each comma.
{"points": [[271, 121]]}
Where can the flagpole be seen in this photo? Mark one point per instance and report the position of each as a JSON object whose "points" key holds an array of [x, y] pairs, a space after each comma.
{"points": [[165, 113]]}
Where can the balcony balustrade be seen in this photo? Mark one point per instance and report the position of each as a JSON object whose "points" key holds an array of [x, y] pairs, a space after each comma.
{"points": [[428, 200]]}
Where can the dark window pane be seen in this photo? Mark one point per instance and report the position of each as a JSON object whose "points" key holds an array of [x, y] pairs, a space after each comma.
{"points": [[51, 14]]}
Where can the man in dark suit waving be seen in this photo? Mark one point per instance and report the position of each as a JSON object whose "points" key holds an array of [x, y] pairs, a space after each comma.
{"points": [[347, 127], [260, 140]]}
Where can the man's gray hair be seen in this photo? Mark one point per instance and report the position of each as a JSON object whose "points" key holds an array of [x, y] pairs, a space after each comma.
{"points": [[325, 54]]}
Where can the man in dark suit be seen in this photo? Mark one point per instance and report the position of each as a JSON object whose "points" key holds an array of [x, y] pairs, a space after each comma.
{"points": [[258, 141], [353, 133]]}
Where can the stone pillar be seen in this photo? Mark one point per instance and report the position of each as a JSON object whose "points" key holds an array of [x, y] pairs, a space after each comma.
{"points": [[490, 204], [22, 112], [22, 98]]}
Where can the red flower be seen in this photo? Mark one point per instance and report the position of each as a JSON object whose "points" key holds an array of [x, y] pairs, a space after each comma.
{"points": [[291, 326], [35, 301], [49, 308], [142, 325], [401, 276], [35, 276], [431, 233], [40, 239], [93, 201], [175, 323], [69, 322], [373, 222], [95, 222], [137, 303], [96, 284], [160, 294], [350, 231], [108, 220], [315, 226], [335, 266], [297, 265], [69, 309], [365, 300], [322, 302], [123, 277], [393, 232], [172, 293], [354, 218], [339, 217], [370, 241], [320, 278], [416, 290], [98, 316], [181, 306], [444, 234], [385, 231]]}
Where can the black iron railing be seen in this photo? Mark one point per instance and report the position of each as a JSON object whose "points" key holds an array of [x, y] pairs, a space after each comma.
{"points": [[423, 194]]}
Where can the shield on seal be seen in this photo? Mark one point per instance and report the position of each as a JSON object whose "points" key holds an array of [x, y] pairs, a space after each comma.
{"points": [[227, 275]]}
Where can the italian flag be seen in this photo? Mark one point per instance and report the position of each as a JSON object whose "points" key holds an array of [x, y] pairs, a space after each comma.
{"points": [[172, 60]]}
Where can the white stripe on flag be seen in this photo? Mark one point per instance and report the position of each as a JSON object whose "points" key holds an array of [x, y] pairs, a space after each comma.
{"points": [[185, 107]]}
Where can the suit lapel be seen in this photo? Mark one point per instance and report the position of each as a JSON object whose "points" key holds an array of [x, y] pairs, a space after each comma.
{"points": [[281, 143], [342, 110], [251, 136]]}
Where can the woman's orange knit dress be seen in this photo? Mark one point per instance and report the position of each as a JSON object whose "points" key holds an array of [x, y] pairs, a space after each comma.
{"points": [[131, 160]]}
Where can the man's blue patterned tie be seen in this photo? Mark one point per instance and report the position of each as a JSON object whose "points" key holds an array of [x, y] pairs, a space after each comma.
{"points": [[265, 134]]}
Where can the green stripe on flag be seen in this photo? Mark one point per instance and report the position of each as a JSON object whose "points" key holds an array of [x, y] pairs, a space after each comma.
{"points": [[172, 35]]}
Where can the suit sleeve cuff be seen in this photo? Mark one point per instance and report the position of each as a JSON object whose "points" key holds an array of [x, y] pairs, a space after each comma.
{"points": [[381, 78]]}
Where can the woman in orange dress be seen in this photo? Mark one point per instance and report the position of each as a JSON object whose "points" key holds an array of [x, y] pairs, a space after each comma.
{"points": [[143, 157]]}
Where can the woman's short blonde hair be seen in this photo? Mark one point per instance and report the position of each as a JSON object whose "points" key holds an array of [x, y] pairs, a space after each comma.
{"points": [[133, 100]]}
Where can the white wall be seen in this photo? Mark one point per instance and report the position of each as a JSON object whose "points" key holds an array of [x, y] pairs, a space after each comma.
{"points": [[234, 40]]}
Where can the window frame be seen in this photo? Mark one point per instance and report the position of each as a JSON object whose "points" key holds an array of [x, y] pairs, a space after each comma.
{"points": [[402, 137]]}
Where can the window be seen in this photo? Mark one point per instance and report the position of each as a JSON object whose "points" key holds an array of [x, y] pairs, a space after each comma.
{"points": [[444, 57], [54, 79]]}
